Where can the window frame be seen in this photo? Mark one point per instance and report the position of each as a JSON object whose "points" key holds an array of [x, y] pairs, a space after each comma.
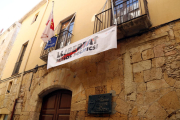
{"points": [[126, 10], [71, 19], [9, 87], [44, 53], [65, 34], [35, 17], [20, 58]]}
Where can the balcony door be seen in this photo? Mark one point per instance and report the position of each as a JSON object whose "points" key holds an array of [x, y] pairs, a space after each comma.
{"points": [[125, 10], [56, 105], [65, 34]]}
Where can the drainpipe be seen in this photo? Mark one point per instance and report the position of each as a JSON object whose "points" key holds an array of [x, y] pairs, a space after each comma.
{"points": [[27, 61], [114, 19]]}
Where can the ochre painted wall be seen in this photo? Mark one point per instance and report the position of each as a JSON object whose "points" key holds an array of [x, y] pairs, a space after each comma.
{"points": [[83, 27], [161, 11], [141, 73], [25, 34]]}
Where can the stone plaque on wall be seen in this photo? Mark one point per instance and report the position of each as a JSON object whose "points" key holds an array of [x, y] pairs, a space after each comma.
{"points": [[99, 104]]}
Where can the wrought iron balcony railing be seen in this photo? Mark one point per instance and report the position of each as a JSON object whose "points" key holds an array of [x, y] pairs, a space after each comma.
{"points": [[123, 11], [63, 39], [103, 20]]}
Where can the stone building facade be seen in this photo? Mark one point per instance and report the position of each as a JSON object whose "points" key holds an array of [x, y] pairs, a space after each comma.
{"points": [[143, 75], [7, 39]]}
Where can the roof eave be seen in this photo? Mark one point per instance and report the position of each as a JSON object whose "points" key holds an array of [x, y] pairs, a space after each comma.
{"points": [[32, 10]]}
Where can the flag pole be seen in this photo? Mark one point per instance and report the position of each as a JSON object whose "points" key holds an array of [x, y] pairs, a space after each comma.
{"points": [[52, 13], [52, 4]]}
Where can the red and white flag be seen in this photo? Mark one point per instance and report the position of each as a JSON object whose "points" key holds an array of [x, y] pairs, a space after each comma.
{"points": [[49, 30]]}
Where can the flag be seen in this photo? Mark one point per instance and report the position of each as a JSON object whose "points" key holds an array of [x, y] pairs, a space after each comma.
{"points": [[51, 43], [49, 30]]}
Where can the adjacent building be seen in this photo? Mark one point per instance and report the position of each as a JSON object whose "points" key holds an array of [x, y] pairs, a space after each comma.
{"points": [[7, 39], [142, 74]]}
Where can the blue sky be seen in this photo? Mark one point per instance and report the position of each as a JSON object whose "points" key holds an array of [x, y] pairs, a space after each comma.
{"points": [[13, 10]]}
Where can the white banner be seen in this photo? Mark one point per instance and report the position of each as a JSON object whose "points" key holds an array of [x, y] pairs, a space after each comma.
{"points": [[91, 45]]}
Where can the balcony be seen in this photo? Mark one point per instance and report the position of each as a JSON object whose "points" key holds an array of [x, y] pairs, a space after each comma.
{"points": [[63, 39], [131, 17]]}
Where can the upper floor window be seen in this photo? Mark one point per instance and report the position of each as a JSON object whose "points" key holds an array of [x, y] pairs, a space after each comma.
{"points": [[64, 31], [35, 18], [19, 61], [117, 2], [125, 10], [65, 34]]}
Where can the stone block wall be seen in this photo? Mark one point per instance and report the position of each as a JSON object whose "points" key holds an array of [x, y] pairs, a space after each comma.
{"points": [[142, 74]]}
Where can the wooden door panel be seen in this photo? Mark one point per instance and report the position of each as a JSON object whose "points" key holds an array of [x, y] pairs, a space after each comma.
{"points": [[46, 117], [56, 106], [65, 102], [64, 111], [48, 112], [49, 105], [50, 102], [63, 117]]}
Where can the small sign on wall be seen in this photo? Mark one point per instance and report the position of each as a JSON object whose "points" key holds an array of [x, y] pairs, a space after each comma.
{"points": [[100, 104]]}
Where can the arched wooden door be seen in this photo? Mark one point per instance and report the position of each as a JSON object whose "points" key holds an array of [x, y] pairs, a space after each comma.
{"points": [[56, 105]]}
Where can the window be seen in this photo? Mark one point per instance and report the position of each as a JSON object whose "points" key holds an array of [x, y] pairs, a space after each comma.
{"points": [[35, 18], [125, 10], [3, 117], [65, 34], [9, 87], [18, 63]]}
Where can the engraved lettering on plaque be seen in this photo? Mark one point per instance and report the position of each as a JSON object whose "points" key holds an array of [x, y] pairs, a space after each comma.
{"points": [[100, 104]]}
